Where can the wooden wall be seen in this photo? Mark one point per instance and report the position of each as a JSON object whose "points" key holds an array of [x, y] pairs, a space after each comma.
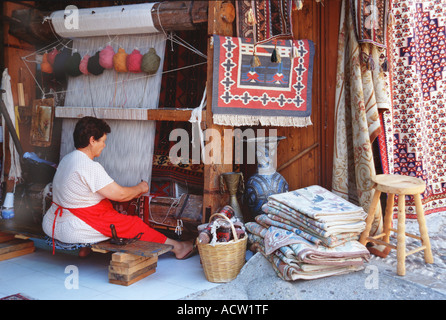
{"points": [[319, 23], [13, 50]]}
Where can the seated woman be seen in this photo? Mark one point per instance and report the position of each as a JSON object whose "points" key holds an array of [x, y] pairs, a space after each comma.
{"points": [[81, 211]]}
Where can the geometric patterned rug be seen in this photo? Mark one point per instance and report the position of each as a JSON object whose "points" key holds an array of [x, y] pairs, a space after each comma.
{"points": [[17, 296], [414, 139]]}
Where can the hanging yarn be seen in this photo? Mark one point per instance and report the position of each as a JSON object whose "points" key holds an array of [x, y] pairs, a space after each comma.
{"points": [[255, 61], [72, 65], [150, 62], [120, 61], [59, 64], [45, 66], [106, 57], [52, 55], [275, 57], [83, 65], [134, 61], [93, 65]]}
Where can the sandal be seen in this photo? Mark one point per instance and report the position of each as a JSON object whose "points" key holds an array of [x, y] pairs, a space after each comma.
{"points": [[191, 253]]}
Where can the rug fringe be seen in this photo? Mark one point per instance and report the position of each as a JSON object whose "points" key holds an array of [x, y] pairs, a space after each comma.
{"points": [[249, 120]]}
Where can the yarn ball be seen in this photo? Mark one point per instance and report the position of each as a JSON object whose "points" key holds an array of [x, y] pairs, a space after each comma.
{"points": [[72, 65], [59, 63], [150, 62], [83, 65], [120, 60], [93, 65], [45, 66], [52, 55], [106, 57], [134, 61]]}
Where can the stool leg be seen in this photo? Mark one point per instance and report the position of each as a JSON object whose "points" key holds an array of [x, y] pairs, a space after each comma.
{"points": [[370, 216], [428, 258], [401, 237], [388, 216]]}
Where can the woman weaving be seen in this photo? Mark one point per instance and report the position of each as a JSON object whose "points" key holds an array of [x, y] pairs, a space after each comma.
{"points": [[81, 211]]}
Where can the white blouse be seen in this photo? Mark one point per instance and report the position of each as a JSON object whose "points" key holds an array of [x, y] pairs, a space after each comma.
{"points": [[75, 185]]}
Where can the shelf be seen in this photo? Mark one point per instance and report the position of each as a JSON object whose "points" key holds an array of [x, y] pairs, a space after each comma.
{"points": [[125, 113]]}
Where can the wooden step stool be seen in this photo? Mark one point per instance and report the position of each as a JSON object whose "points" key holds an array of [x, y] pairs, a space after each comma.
{"points": [[401, 186], [131, 262]]}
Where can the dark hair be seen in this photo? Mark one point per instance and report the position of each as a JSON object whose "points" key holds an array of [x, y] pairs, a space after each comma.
{"points": [[89, 127]]}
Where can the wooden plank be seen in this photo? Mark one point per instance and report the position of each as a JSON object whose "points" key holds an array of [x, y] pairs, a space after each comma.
{"points": [[167, 114], [113, 268], [127, 283], [17, 253], [15, 245], [5, 237], [125, 257], [127, 264], [139, 248], [129, 277]]}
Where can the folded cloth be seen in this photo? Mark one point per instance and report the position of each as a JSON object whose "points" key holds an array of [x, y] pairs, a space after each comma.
{"points": [[299, 220], [291, 273], [300, 259], [274, 239], [320, 204], [310, 235]]}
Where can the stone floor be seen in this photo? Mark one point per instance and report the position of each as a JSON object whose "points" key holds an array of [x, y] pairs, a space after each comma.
{"points": [[436, 224]]}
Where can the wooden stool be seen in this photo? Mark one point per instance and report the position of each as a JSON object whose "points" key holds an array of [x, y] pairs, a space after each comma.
{"points": [[401, 186]]}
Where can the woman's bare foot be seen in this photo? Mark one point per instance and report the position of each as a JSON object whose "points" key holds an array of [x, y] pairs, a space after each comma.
{"points": [[181, 249], [84, 252]]}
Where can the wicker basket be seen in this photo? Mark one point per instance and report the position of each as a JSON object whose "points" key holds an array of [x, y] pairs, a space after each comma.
{"points": [[222, 262]]}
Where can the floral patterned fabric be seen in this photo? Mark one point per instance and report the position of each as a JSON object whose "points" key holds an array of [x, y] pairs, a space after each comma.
{"points": [[362, 88], [293, 234], [414, 140]]}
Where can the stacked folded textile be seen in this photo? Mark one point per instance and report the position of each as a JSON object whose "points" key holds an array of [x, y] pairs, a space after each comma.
{"points": [[309, 233]]}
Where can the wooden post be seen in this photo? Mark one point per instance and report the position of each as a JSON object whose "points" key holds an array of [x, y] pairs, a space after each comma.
{"points": [[212, 199]]}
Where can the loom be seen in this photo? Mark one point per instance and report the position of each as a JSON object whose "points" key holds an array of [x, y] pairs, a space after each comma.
{"points": [[122, 99]]}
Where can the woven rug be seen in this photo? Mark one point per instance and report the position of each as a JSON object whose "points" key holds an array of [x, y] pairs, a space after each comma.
{"points": [[275, 94], [263, 19], [370, 21], [17, 296], [416, 143]]}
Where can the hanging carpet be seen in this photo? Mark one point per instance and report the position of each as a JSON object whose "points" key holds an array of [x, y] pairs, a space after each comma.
{"points": [[416, 144], [263, 19], [275, 94]]}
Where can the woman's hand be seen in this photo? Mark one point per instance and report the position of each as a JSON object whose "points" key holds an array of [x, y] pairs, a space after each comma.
{"points": [[115, 192], [144, 187]]}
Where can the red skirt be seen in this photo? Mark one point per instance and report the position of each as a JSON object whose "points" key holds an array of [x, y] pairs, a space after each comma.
{"points": [[102, 215]]}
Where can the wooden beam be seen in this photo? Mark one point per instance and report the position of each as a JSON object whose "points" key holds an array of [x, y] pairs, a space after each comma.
{"points": [[212, 198], [26, 24], [125, 114]]}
